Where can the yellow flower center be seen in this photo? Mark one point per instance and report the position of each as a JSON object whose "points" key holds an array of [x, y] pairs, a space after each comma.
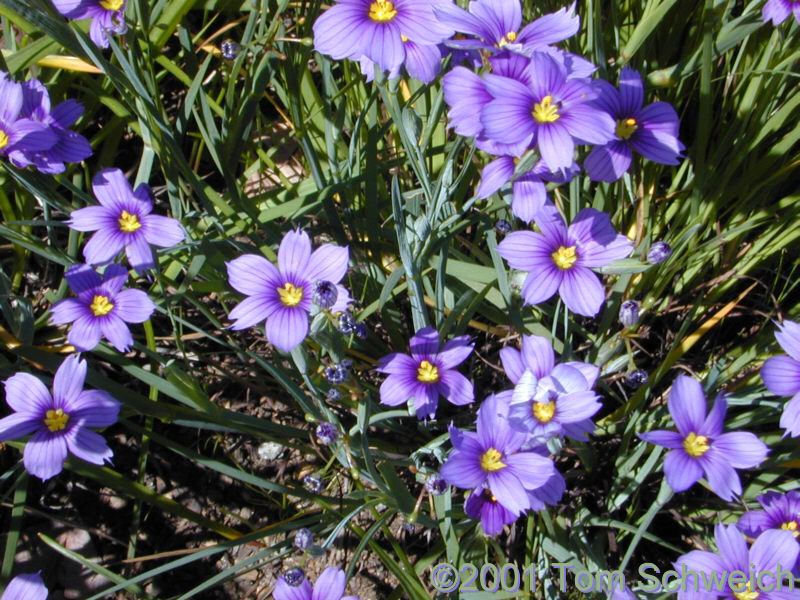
{"points": [[114, 5], [427, 373], [564, 257], [626, 127], [489, 496], [56, 420], [290, 295], [746, 594], [403, 38], [490, 460], [791, 526], [695, 445], [3, 139], [507, 39], [382, 11], [545, 111], [128, 222], [544, 411], [101, 306]]}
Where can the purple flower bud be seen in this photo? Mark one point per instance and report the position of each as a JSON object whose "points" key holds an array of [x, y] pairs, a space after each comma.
{"points": [[346, 363], [230, 49], [327, 433], [347, 324], [658, 253], [313, 483], [629, 313], [636, 378], [303, 539], [502, 226], [435, 484], [334, 394], [294, 576], [361, 330], [325, 294], [337, 373]]}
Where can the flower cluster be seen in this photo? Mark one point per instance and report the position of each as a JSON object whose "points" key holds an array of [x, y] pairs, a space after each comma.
{"points": [[34, 134], [493, 463]]}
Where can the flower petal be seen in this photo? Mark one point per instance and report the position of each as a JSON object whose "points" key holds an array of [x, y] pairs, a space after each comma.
{"points": [[45, 454], [27, 394], [133, 306], [68, 381], [512, 363], [667, 439], [788, 337], [741, 449], [458, 389], [687, 404], [681, 470], [790, 418], [19, 424], [327, 263], [96, 408], [509, 491], [582, 291], [140, 254], [89, 446], [252, 274], [85, 333], [781, 375], [116, 331], [162, 231], [28, 586], [287, 327], [329, 585], [293, 255]]}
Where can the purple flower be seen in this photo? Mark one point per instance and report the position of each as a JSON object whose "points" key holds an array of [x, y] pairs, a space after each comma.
{"points": [[329, 586], [778, 11], [106, 15], [283, 296], [699, 448], [557, 404], [68, 146], [123, 220], [20, 136], [59, 421], [496, 24], [781, 375], [102, 308], [25, 587], [427, 374], [651, 130], [781, 511], [529, 192], [710, 575], [379, 31], [546, 110], [538, 357], [560, 258], [491, 458]]}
